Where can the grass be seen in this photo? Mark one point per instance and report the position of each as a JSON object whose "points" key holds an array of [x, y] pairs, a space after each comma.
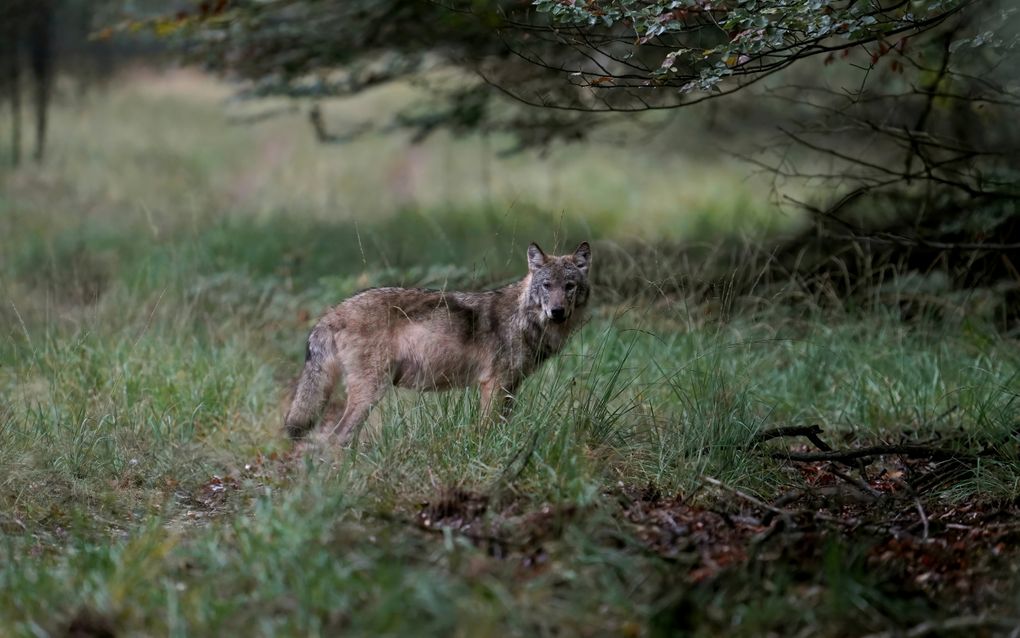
{"points": [[158, 287]]}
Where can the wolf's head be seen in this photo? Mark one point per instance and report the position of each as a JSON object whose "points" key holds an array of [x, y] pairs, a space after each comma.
{"points": [[558, 284]]}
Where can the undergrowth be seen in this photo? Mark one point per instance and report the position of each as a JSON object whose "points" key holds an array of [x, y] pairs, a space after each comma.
{"points": [[146, 487]]}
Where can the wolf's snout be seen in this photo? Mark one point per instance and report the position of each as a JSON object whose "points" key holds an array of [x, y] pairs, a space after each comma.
{"points": [[559, 315]]}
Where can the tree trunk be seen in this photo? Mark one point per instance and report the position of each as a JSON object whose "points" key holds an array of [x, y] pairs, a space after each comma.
{"points": [[40, 49]]}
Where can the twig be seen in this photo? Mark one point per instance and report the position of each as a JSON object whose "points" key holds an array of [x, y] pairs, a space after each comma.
{"points": [[856, 482], [788, 497], [787, 519], [812, 433], [924, 518]]}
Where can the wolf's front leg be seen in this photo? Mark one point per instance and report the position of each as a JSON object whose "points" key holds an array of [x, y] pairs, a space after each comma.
{"points": [[497, 400]]}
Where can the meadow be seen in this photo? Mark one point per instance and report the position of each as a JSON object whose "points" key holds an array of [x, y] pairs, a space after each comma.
{"points": [[160, 273]]}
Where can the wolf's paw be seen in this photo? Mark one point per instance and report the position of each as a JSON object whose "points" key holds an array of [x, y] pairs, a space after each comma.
{"points": [[315, 444]]}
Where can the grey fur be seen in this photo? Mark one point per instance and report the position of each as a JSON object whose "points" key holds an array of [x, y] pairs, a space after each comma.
{"points": [[436, 340]]}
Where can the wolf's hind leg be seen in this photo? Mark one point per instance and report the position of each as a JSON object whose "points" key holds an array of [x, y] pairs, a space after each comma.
{"points": [[361, 397]]}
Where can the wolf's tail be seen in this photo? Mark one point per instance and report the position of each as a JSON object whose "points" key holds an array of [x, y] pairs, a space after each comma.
{"points": [[316, 383]]}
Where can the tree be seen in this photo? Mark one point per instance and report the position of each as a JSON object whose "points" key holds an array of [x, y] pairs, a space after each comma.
{"points": [[34, 36], [574, 55], [26, 32], [903, 109]]}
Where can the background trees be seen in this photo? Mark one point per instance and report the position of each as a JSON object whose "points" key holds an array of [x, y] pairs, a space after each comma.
{"points": [[43, 39], [894, 116], [26, 49], [889, 123]]}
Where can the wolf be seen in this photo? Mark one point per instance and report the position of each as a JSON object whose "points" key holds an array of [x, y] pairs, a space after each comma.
{"points": [[436, 340]]}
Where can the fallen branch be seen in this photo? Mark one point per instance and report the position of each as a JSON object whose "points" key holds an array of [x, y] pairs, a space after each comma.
{"points": [[912, 451], [812, 433], [826, 453]]}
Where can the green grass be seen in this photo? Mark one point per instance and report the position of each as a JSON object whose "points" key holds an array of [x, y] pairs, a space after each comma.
{"points": [[154, 316]]}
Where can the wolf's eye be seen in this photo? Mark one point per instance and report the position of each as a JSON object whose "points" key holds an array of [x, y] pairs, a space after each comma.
{"points": [[547, 285], [570, 286]]}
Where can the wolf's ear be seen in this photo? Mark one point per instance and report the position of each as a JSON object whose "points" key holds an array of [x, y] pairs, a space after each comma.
{"points": [[582, 257], [536, 258]]}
